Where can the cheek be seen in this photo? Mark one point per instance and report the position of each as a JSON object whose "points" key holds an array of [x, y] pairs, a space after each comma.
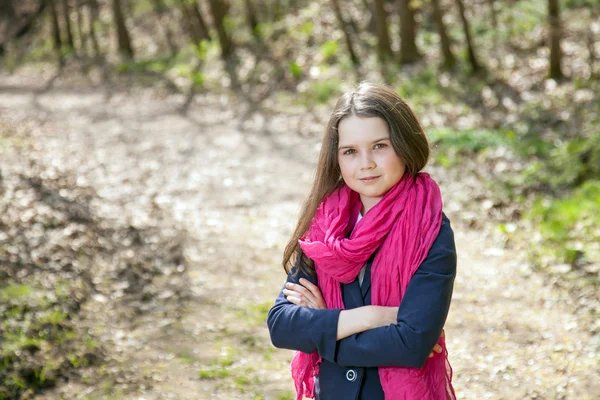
{"points": [[345, 169]]}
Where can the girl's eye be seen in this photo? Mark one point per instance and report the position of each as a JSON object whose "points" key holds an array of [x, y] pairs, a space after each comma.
{"points": [[349, 151], [380, 145]]}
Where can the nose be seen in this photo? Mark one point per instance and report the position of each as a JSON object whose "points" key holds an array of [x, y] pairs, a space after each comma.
{"points": [[367, 162]]}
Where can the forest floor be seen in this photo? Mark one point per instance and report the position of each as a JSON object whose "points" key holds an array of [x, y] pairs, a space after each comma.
{"points": [[234, 190]]}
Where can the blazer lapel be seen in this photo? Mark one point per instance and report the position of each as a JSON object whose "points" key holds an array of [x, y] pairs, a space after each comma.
{"points": [[352, 295], [365, 288]]}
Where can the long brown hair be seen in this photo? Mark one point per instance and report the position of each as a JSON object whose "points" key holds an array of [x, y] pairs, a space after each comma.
{"points": [[406, 135]]}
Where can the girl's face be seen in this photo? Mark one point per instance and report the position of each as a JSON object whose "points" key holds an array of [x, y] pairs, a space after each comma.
{"points": [[367, 160]]}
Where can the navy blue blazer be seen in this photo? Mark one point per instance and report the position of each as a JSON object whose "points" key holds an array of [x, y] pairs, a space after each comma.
{"points": [[349, 367]]}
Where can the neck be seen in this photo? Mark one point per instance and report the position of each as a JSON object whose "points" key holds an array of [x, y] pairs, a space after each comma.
{"points": [[367, 203]]}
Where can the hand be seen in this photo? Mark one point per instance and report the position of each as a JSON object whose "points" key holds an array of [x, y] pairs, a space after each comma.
{"points": [[305, 294], [437, 348]]}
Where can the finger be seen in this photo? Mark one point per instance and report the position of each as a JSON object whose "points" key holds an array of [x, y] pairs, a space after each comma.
{"points": [[314, 289], [298, 298], [316, 292], [437, 348], [295, 300], [299, 289], [431, 354]]}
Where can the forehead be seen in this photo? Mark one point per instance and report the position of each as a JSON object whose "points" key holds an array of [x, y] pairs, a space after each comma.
{"points": [[356, 130]]}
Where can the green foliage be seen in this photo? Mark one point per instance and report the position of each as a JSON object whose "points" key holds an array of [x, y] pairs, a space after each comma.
{"points": [[255, 314], [78, 361], [320, 92], [203, 48], [329, 50], [421, 89], [159, 65], [575, 4], [14, 292], [295, 70], [213, 373], [468, 140], [34, 324], [285, 396], [265, 29], [569, 220], [307, 28], [198, 79], [55, 317], [562, 164], [522, 18]]}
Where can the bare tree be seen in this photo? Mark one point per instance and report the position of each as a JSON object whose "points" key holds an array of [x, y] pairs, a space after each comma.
{"points": [[445, 45], [56, 38], [15, 24], [408, 44], [219, 11], [370, 6], [161, 10], [251, 18], [66, 16], [554, 39], [344, 26], [194, 21], [190, 25], [475, 66], [591, 41], [384, 47], [123, 38], [493, 14], [80, 32], [202, 26], [94, 11]]}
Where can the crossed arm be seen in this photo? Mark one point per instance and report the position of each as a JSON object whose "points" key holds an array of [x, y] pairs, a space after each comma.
{"points": [[356, 320], [370, 336]]}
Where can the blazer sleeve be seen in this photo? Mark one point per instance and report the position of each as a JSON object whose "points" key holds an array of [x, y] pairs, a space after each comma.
{"points": [[421, 316], [301, 328]]}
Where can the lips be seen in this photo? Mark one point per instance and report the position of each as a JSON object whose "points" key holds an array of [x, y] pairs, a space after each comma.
{"points": [[369, 179]]}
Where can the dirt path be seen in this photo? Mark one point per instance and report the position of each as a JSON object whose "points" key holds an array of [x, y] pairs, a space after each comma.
{"points": [[236, 192]]}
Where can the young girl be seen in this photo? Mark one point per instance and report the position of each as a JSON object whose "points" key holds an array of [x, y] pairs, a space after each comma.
{"points": [[370, 289]]}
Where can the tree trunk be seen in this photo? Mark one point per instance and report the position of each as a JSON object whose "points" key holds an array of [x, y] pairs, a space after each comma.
{"points": [[252, 20], [190, 26], [17, 25], [470, 48], [201, 25], [7, 13], [123, 38], [370, 6], [56, 32], [66, 16], [344, 26], [493, 14], [218, 10], [93, 17], [445, 49], [80, 31], [7, 10], [408, 44], [159, 9], [591, 43], [554, 39], [384, 48]]}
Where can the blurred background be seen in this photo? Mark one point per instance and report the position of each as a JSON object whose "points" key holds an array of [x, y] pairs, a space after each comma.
{"points": [[154, 155]]}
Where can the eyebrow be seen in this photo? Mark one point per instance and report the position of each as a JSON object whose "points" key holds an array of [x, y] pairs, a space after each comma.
{"points": [[373, 142]]}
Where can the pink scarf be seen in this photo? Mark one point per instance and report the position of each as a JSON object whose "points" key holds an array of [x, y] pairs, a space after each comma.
{"points": [[401, 228]]}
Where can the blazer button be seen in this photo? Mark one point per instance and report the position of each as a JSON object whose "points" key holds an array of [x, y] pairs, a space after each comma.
{"points": [[351, 375]]}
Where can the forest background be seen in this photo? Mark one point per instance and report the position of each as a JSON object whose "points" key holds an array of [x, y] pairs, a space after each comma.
{"points": [[506, 90]]}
